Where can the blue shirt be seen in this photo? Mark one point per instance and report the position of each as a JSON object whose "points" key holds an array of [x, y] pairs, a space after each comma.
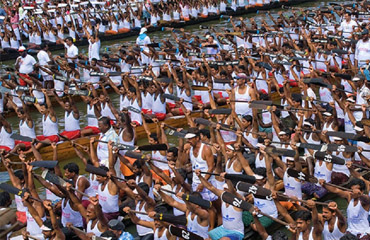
{"points": [[126, 236]]}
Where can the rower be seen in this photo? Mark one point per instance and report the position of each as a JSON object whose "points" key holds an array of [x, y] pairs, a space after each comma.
{"points": [[71, 118], [51, 228], [71, 171], [201, 157], [242, 92], [358, 207], [96, 222], [142, 40], [93, 109], [24, 64], [6, 142], [126, 136], [304, 231], [49, 123], [333, 221], [183, 92], [44, 59], [135, 101]]}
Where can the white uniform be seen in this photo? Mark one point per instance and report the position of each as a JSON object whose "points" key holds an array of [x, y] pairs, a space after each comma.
{"points": [[49, 128], [32, 227], [91, 121], [25, 130], [158, 156], [94, 230], [292, 186], [163, 237], [71, 123], [335, 234], [5, 139], [70, 215], [322, 172], [310, 236], [142, 231], [357, 219], [194, 227], [108, 202], [232, 219], [242, 108]]}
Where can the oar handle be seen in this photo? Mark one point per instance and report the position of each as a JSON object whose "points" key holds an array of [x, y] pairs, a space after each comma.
{"points": [[16, 163], [339, 187], [165, 190], [78, 191], [35, 199], [138, 212], [275, 219], [157, 160], [77, 229], [359, 166], [209, 173], [301, 200]]}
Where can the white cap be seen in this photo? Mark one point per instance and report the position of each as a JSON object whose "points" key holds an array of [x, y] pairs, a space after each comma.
{"points": [[167, 187], [289, 159], [258, 177], [351, 100], [21, 49], [190, 135], [307, 123], [45, 228], [143, 30], [357, 128], [355, 79], [225, 186], [230, 147], [337, 139], [282, 133], [260, 145], [135, 191], [327, 114]]}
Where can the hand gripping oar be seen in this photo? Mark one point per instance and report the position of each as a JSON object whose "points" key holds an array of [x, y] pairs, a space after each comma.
{"points": [[235, 177], [210, 123], [280, 151], [345, 135], [154, 147], [16, 191], [240, 203], [203, 88], [47, 175], [183, 234], [329, 158], [166, 217], [257, 191], [98, 171], [193, 199]]}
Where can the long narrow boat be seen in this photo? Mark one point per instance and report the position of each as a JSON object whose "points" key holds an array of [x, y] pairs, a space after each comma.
{"points": [[240, 11]]}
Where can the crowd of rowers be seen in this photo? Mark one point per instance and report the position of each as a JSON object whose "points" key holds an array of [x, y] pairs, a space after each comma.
{"points": [[50, 22], [238, 71]]}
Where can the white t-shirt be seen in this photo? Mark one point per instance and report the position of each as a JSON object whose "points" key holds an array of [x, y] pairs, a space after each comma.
{"points": [[362, 51], [72, 51], [43, 58], [347, 27], [26, 64], [94, 50]]}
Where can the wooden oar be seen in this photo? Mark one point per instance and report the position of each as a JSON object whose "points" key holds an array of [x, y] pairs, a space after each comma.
{"points": [[193, 199], [44, 164], [174, 98], [182, 233], [360, 166], [235, 177], [101, 172], [142, 156], [19, 137], [4, 233], [16, 191], [170, 218], [301, 200], [47, 175], [202, 88]]}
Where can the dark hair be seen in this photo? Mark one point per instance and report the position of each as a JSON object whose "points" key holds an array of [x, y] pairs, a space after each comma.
{"points": [[144, 187], [260, 171], [109, 234], [304, 215], [69, 38], [297, 97], [154, 136], [19, 174], [72, 167], [105, 121], [132, 89], [359, 182], [174, 150], [327, 207], [348, 236], [279, 235], [248, 118], [5, 199], [205, 132], [137, 164]]}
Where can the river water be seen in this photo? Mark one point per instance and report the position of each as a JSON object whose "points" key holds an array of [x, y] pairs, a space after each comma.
{"points": [[219, 25]]}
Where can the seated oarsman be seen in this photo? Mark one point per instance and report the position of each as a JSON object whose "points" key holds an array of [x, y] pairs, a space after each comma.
{"points": [[8, 215], [93, 109], [6, 142], [72, 128]]}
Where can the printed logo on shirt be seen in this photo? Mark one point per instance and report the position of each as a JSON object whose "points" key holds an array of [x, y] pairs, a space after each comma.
{"points": [[228, 218], [287, 186]]}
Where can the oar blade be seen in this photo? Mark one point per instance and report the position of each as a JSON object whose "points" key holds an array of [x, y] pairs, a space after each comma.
{"points": [[257, 191], [226, 111], [154, 147], [240, 177], [10, 189], [329, 158], [236, 201], [197, 200], [182, 233], [45, 164], [19, 137], [95, 170]]}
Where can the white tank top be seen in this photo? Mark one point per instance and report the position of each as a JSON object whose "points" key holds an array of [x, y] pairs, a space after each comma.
{"points": [[230, 169], [310, 236], [142, 231], [365, 146], [253, 141], [292, 186], [167, 99], [157, 155], [5, 139], [182, 94], [94, 230], [198, 163], [14, 43], [49, 128], [228, 136], [336, 234], [25, 130], [32, 227], [232, 219], [310, 140], [89, 191], [348, 126], [242, 108], [135, 116], [260, 162], [158, 106], [195, 227], [70, 215], [91, 121], [123, 102], [328, 128], [266, 206], [147, 100], [4, 44], [106, 111], [341, 168], [321, 172], [71, 123], [163, 237], [357, 218], [176, 211], [51, 196], [37, 39], [19, 203], [108, 202]]}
